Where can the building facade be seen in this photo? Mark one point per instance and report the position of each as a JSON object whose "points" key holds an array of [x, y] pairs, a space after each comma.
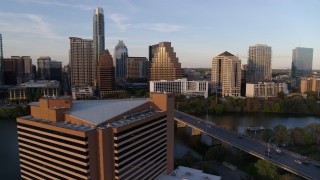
{"points": [[137, 69], [48, 69], [17, 70], [310, 84], [106, 79], [266, 89], [120, 57], [181, 86], [301, 64], [1, 62], [98, 35], [259, 64], [226, 74], [164, 64], [81, 62], [117, 139], [31, 88]]}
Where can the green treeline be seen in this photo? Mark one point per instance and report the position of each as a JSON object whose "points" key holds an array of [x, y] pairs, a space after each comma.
{"points": [[295, 104], [13, 112]]}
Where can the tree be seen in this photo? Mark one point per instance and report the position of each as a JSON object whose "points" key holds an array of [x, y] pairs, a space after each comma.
{"points": [[281, 134], [219, 108], [217, 153], [297, 136], [266, 169]]}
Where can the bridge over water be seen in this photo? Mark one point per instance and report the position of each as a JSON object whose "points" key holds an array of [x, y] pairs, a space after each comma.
{"points": [[286, 160]]}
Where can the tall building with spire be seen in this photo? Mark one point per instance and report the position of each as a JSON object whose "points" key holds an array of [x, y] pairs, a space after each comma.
{"points": [[1, 61], [226, 74], [83, 68], [164, 64], [98, 36], [259, 64], [120, 57]]}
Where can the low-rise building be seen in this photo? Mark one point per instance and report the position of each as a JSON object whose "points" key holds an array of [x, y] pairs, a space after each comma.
{"points": [[181, 86], [186, 173], [82, 92], [266, 89], [310, 84]]}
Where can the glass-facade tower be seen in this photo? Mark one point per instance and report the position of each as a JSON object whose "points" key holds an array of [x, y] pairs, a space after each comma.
{"points": [[301, 62], [98, 35], [120, 57], [1, 61]]}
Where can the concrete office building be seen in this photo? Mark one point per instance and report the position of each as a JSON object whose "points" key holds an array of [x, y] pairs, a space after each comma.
{"points": [[137, 69], [97, 139], [98, 35], [81, 62], [259, 64], [266, 89], [164, 64], [226, 74], [120, 57], [181, 86], [105, 73], [301, 64], [48, 69], [14, 69], [310, 84]]}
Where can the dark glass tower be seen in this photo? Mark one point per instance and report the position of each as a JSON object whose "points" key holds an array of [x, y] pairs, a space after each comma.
{"points": [[98, 35], [1, 61]]}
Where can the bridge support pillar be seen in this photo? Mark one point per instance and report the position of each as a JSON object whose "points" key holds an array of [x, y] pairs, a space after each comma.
{"points": [[181, 124], [195, 132], [207, 140]]}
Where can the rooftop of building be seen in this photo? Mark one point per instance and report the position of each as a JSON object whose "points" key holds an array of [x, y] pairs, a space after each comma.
{"points": [[38, 84], [185, 173], [226, 53]]}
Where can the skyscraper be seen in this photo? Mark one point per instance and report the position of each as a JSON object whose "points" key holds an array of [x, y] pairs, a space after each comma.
{"points": [[137, 69], [164, 64], [105, 73], [48, 69], [98, 35], [83, 68], [259, 64], [1, 62], [226, 74], [301, 62], [120, 57]]}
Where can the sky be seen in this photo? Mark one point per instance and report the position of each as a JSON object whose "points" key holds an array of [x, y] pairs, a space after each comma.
{"points": [[197, 29]]}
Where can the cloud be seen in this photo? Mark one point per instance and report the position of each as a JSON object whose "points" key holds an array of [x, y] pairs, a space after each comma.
{"points": [[162, 27], [26, 25], [62, 4], [119, 21]]}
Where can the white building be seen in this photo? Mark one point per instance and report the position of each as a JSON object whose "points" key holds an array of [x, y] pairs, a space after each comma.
{"points": [[265, 90], [186, 173], [82, 92], [181, 86]]}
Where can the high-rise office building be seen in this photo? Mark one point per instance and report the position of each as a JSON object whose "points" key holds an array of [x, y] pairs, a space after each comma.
{"points": [[97, 139], [81, 62], [28, 74], [98, 35], [120, 57], [1, 62], [105, 73], [301, 62], [226, 74], [137, 69], [164, 64], [17, 70], [259, 64], [48, 69]]}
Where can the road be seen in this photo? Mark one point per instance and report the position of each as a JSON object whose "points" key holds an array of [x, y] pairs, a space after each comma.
{"points": [[286, 160]]}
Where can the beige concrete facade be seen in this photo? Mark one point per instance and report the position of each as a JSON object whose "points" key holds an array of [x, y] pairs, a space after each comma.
{"points": [[310, 84], [137, 143]]}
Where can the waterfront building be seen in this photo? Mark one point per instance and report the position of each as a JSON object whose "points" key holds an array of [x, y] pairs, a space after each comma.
{"points": [[81, 62], [181, 86], [310, 84], [105, 73], [97, 139], [31, 88], [164, 64], [301, 64], [226, 74], [259, 64], [266, 89], [98, 35], [137, 69], [120, 57], [48, 69]]}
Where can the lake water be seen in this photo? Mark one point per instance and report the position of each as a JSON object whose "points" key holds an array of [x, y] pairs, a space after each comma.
{"points": [[9, 157]]}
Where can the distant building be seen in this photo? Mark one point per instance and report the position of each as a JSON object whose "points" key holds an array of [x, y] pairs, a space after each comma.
{"points": [[97, 139], [105, 69], [98, 35], [244, 69], [81, 62], [310, 84], [226, 74], [15, 69], [164, 64], [259, 64], [120, 57], [48, 69], [181, 86], [24, 90], [1, 62], [266, 89], [301, 64], [28, 73], [65, 81], [137, 69], [83, 92], [186, 173]]}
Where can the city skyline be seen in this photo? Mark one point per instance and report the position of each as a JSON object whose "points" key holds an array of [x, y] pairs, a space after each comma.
{"points": [[197, 31]]}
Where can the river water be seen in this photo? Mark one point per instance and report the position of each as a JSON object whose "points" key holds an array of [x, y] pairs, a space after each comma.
{"points": [[9, 157]]}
